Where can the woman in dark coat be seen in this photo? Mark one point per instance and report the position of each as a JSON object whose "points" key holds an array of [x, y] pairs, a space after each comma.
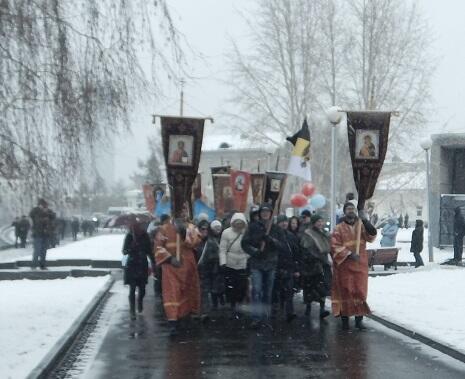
{"points": [[315, 268], [416, 246], [294, 225], [211, 278], [138, 248]]}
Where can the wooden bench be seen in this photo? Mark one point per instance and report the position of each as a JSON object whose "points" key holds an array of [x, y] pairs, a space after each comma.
{"points": [[386, 256]]}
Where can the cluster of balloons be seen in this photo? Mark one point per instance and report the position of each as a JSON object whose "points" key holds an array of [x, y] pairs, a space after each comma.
{"points": [[308, 198]]}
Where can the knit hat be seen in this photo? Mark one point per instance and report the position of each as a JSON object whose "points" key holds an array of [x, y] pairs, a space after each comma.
{"points": [[306, 213], [266, 207], [216, 225], [281, 218], [348, 204], [315, 218]]}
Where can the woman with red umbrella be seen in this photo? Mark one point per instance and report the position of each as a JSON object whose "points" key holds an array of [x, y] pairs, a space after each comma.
{"points": [[138, 248]]}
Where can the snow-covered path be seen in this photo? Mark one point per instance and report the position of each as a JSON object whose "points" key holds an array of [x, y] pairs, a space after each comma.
{"points": [[34, 314]]}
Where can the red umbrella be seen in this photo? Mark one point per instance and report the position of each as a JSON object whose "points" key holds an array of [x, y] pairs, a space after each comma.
{"points": [[128, 219]]}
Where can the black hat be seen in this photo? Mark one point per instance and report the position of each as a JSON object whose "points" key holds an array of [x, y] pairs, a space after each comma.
{"points": [[306, 213], [281, 218], [316, 217], [348, 204], [266, 207], [164, 217]]}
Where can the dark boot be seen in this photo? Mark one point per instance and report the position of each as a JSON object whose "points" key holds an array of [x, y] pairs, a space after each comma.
{"points": [[132, 306], [308, 310], [173, 328], [359, 323], [323, 313], [345, 323]]}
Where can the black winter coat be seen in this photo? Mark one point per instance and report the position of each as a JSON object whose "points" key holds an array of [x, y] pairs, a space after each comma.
{"points": [[211, 277], [459, 224], [251, 242], [136, 270], [289, 253], [416, 246]]}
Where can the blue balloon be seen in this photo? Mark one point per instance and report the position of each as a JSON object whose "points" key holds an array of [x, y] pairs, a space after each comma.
{"points": [[318, 201]]}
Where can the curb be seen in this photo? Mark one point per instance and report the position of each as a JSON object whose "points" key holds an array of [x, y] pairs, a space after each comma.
{"points": [[421, 338], [46, 365]]}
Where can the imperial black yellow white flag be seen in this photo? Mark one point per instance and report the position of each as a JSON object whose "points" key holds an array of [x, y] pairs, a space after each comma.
{"points": [[299, 164]]}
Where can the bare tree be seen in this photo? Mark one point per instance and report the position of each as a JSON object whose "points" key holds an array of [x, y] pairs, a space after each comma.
{"points": [[308, 55], [71, 72]]}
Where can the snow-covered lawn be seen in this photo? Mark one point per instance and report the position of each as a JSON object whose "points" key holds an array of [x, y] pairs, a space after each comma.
{"points": [[34, 314], [425, 301]]}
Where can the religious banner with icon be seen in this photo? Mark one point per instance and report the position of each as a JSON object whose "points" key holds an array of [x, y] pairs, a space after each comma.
{"points": [[368, 134], [222, 192], [149, 197], [274, 187], [182, 143], [257, 183], [197, 188], [240, 183]]}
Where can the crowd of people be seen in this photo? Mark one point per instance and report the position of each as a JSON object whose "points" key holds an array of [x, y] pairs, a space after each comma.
{"points": [[260, 259]]}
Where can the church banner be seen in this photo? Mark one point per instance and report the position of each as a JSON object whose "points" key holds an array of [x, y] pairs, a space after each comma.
{"points": [[182, 143], [149, 197], [368, 134], [197, 188], [274, 185], [223, 198], [257, 182], [240, 183]]}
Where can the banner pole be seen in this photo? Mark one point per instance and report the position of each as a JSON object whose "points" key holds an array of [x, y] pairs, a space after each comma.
{"points": [[277, 205]]}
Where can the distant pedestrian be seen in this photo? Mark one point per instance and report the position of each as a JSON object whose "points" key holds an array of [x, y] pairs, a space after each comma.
{"points": [[15, 225], [416, 246], [233, 262], [459, 232], [138, 248], [406, 218], [43, 220], [389, 233], [24, 226], [75, 228], [315, 269], [400, 221]]}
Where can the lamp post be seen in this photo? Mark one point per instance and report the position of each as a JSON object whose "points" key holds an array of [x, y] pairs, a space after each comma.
{"points": [[426, 145], [334, 115]]}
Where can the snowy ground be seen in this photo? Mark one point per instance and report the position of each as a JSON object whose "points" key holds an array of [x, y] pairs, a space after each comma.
{"points": [[101, 247], [424, 301], [30, 324]]}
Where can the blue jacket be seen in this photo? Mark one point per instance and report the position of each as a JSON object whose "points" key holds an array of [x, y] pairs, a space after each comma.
{"points": [[389, 233]]}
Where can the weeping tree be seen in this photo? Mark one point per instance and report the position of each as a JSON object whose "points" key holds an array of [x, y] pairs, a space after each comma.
{"points": [[71, 72], [150, 170], [304, 56]]}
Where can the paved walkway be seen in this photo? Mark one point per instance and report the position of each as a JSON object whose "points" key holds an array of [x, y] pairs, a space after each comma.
{"points": [[228, 349]]}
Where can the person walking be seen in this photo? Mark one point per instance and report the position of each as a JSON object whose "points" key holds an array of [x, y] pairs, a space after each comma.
{"points": [[389, 233], [349, 285], [24, 226], [287, 270], [211, 278], [233, 262], [42, 231], [459, 232], [180, 278], [262, 247], [316, 272], [75, 228], [400, 221], [406, 219], [416, 245], [15, 225], [137, 247]]}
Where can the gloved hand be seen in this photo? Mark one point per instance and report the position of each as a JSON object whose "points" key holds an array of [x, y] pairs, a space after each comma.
{"points": [[371, 230], [174, 261], [354, 256]]}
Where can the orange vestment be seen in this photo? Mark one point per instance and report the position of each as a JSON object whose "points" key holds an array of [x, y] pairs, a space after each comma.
{"points": [[180, 285], [350, 277]]}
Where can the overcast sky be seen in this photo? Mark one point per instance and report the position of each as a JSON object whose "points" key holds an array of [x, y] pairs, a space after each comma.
{"points": [[208, 25]]}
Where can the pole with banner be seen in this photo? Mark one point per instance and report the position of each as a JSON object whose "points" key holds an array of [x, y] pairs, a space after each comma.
{"points": [[368, 133]]}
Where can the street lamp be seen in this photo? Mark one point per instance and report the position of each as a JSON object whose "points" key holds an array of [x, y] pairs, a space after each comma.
{"points": [[426, 145], [334, 116]]}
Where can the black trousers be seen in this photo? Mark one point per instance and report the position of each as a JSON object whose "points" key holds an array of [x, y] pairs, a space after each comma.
{"points": [[132, 295], [458, 247]]}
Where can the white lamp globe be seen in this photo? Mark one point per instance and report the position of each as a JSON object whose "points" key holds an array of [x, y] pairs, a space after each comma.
{"points": [[426, 144], [334, 115]]}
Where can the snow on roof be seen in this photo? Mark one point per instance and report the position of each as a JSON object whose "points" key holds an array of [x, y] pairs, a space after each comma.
{"points": [[213, 141], [411, 180]]}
